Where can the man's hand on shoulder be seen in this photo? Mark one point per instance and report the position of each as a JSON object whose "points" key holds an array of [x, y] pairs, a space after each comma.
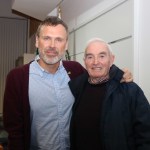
{"points": [[127, 76]]}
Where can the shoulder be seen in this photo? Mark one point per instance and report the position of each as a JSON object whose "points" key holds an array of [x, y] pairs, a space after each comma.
{"points": [[115, 73], [133, 93], [137, 99], [20, 68], [131, 87], [77, 84], [19, 71], [73, 68], [72, 64]]}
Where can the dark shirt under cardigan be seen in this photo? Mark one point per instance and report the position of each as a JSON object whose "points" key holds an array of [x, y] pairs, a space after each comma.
{"points": [[93, 95]]}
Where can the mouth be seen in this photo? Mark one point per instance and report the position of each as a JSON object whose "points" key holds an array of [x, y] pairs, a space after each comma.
{"points": [[51, 53], [97, 68]]}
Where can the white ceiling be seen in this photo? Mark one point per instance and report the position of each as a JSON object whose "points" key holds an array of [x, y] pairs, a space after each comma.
{"points": [[39, 9]]}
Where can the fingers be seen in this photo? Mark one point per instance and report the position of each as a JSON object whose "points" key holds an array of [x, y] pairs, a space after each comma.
{"points": [[127, 76]]}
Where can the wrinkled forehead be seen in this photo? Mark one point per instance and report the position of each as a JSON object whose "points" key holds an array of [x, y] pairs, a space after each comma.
{"points": [[96, 47]]}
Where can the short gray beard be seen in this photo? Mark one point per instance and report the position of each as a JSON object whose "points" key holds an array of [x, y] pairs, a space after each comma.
{"points": [[52, 61]]}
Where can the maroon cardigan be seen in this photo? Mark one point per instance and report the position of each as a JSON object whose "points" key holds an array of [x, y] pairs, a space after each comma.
{"points": [[16, 109]]}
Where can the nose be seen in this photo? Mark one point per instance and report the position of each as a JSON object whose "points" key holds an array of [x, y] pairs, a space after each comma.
{"points": [[95, 61], [52, 43]]}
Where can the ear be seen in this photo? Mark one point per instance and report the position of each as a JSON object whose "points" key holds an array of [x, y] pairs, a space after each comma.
{"points": [[112, 58], [36, 42], [84, 61], [66, 47]]}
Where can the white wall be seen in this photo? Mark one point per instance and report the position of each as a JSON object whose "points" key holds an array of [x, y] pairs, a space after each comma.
{"points": [[128, 18], [114, 23], [141, 44]]}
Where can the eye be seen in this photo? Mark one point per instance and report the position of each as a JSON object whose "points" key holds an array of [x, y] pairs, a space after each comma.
{"points": [[59, 40], [89, 57], [45, 38], [102, 56]]}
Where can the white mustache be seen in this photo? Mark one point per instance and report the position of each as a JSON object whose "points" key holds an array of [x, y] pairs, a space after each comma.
{"points": [[51, 49]]}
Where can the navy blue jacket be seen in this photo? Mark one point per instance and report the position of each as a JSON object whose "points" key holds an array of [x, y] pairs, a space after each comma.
{"points": [[125, 118]]}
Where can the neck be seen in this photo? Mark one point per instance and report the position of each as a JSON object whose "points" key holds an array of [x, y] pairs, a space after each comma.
{"points": [[98, 80], [51, 68]]}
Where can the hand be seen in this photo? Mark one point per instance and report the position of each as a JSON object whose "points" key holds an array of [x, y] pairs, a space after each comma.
{"points": [[127, 76]]}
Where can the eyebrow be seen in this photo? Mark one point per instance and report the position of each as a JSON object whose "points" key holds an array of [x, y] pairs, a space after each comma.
{"points": [[98, 53]]}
